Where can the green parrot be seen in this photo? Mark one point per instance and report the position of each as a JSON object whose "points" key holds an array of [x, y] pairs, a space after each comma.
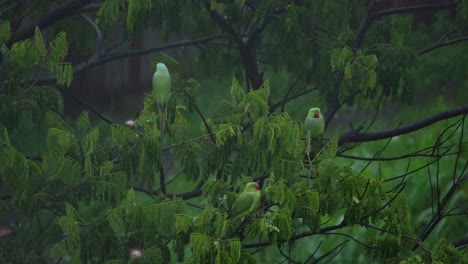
{"points": [[161, 83], [315, 125], [247, 201]]}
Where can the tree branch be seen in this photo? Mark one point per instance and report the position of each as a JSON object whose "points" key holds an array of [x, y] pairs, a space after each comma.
{"points": [[285, 100], [409, 9], [205, 123], [223, 24], [439, 215], [338, 247], [333, 102], [196, 192], [442, 44], [90, 107], [99, 37], [48, 19], [461, 242], [364, 137], [103, 57], [298, 236], [405, 156], [247, 50]]}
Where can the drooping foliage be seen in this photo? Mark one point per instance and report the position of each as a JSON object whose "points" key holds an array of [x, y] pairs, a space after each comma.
{"points": [[24, 61]]}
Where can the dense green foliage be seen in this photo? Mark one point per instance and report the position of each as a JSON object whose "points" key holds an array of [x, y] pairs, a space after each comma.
{"points": [[92, 193]]}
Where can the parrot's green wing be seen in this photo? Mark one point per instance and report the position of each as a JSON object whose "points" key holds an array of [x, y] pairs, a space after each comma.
{"points": [[161, 83], [315, 126], [243, 204]]}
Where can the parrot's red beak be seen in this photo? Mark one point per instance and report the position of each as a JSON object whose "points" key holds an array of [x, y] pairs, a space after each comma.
{"points": [[257, 186], [316, 114]]}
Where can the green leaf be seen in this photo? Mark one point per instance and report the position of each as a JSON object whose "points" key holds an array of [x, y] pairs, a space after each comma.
{"points": [[237, 93], [69, 225], [39, 43], [58, 49], [340, 58], [53, 120], [109, 11], [4, 32], [183, 223], [122, 135], [90, 141], [154, 255], [235, 247], [59, 140], [83, 121], [116, 222]]}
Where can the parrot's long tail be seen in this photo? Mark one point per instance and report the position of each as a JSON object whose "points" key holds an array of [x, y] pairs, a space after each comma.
{"points": [[234, 225], [316, 147]]}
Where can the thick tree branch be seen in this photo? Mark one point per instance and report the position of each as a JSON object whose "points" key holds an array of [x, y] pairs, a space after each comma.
{"points": [[333, 103], [223, 24], [364, 137], [247, 50], [461, 242], [48, 19], [196, 192], [366, 21], [99, 37]]}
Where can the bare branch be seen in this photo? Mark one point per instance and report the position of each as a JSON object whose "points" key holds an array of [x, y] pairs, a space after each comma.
{"points": [[438, 216], [103, 58], [442, 44], [207, 127], [411, 172], [90, 107], [298, 236], [338, 247], [387, 203], [282, 102], [99, 38], [409, 9], [350, 237], [315, 251], [405, 156], [364, 137], [402, 235]]}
